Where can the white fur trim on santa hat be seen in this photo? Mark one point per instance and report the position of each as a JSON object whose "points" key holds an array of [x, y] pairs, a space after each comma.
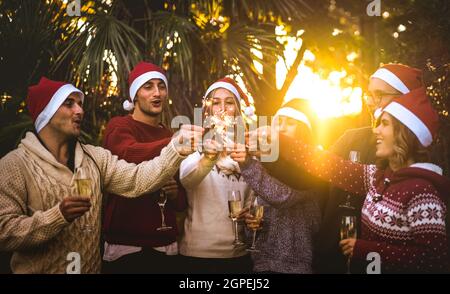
{"points": [[142, 79], [127, 105], [224, 85], [377, 113], [57, 99], [294, 114], [428, 166], [249, 111], [391, 79], [410, 120]]}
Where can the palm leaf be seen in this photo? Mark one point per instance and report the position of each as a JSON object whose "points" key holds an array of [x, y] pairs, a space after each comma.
{"points": [[86, 49]]}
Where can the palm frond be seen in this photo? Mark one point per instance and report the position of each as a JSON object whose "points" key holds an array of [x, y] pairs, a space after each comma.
{"points": [[29, 37], [11, 135], [170, 41], [240, 41], [254, 9], [102, 36]]}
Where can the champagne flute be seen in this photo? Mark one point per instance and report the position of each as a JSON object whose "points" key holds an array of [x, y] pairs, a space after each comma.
{"points": [[234, 207], [257, 211], [162, 203], [348, 227], [354, 156], [83, 185], [348, 231]]}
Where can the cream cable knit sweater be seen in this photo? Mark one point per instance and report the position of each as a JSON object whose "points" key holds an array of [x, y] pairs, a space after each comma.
{"points": [[34, 183], [208, 231]]}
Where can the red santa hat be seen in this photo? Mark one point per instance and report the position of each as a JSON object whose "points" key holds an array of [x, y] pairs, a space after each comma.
{"points": [[233, 87], [45, 98], [401, 77], [297, 109], [142, 73], [415, 111]]}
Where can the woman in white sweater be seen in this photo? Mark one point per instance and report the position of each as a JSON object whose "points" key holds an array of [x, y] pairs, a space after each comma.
{"points": [[207, 243]]}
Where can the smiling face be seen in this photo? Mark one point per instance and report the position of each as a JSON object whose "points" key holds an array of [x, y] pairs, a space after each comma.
{"points": [[223, 100], [286, 126], [66, 121], [150, 97], [384, 133]]}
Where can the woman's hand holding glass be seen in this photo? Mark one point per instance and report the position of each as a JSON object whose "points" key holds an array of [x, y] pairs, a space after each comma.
{"points": [[347, 246], [187, 139], [211, 149], [236, 212], [258, 142], [253, 220], [239, 153], [348, 234]]}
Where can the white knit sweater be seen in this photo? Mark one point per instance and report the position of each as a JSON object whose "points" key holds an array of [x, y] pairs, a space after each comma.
{"points": [[34, 183], [208, 230]]}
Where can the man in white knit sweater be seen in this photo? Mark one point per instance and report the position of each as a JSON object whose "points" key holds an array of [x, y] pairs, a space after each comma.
{"points": [[41, 217]]}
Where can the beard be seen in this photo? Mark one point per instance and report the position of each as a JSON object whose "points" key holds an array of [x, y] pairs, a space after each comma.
{"points": [[149, 112], [148, 109]]}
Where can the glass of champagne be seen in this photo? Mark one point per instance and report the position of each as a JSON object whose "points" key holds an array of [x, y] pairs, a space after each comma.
{"points": [[348, 231], [348, 227], [354, 156], [234, 207], [162, 203], [257, 211], [84, 189]]}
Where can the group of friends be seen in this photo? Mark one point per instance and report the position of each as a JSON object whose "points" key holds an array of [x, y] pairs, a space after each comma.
{"points": [[398, 195]]}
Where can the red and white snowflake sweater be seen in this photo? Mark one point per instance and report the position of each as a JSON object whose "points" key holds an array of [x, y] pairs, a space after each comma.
{"points": [[403, 216]]}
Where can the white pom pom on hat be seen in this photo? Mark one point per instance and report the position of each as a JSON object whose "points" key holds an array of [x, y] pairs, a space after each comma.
{"points": [[127, 105]]}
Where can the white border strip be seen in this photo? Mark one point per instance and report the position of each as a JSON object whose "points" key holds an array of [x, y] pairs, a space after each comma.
{"points": [[391, 79], [294, 114], [428, 166], [142, 79], [57, 99], [410, 120], [224, 85]]}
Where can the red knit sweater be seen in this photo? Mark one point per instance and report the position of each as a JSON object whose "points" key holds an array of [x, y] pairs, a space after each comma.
{"points": [[134, 221], [403, 216]]}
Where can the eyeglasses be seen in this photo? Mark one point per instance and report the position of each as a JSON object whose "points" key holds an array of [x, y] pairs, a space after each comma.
{"points": [[376, 99]]}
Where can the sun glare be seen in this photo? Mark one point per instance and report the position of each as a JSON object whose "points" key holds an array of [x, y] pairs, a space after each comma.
{"points": [[329, 97]]}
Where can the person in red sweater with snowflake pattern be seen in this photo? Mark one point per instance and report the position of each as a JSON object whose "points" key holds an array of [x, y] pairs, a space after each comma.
{"points": [[404, 212], [133, 242]]}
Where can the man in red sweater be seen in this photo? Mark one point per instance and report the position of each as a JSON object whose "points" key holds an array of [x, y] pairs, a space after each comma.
{"points": [[133, 243]]}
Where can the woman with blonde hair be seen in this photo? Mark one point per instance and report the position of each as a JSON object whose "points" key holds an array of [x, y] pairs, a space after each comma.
{"points": [[207, 243]]}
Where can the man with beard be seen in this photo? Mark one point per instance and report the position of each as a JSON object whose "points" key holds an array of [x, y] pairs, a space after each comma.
{"points": [[44, 211]]}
